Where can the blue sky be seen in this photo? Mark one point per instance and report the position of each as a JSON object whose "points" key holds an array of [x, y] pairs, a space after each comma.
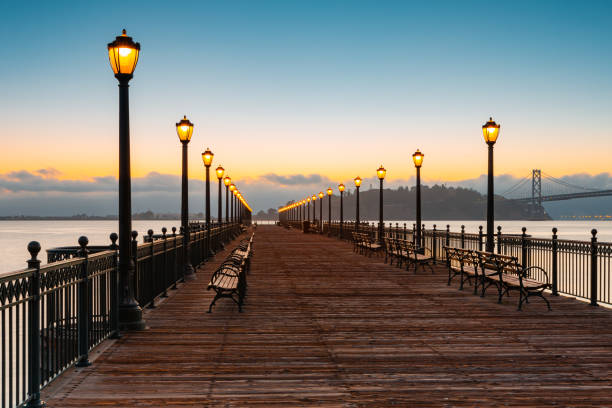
{"points": [[331, 88]]}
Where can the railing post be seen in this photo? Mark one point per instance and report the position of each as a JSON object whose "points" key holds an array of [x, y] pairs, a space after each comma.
{"points": [[175, 258], [83, 306], [447, 235], [114, 291], [413, 234], [137, 281], [524, 248], [34, 357], [404, 231], [434, 244], [164, 273], [152, 278], [555, 248], [480, 235], [594, 268], [499, 239], [181, 232], [463, 236]]}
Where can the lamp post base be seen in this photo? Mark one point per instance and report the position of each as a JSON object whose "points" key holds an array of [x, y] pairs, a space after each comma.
{"points": [[130, 318], [189, 273], [37, 403]]}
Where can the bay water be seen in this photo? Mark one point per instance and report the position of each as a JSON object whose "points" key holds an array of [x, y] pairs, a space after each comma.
{"points": [[15, 235]]}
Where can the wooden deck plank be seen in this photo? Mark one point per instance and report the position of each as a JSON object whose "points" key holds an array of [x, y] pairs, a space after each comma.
{"points": [[325, 327]]}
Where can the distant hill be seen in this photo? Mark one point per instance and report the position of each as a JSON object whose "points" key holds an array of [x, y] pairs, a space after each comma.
{"points": [[438, 203]]}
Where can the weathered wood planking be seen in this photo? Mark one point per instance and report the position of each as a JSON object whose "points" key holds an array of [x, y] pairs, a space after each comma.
{"points": [[325, 327]]}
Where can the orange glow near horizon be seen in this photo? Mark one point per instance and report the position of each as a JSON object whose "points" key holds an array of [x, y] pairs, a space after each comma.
{"points": [[158, 151], [82, 169]]}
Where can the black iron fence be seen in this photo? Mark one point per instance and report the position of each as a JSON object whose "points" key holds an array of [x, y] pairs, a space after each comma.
{"points": [[582, 269], [52, 315]]}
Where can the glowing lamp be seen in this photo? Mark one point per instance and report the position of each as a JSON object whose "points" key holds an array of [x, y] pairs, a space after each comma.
{"points": [[357, 181], [321, 195], [417, 158], [184, 129], [232, 187], [490, 131], [314, 197], [330, 191], [220, 171], [227, 181], [381, 172], [123, 55], [207, 157], [341, 187]]}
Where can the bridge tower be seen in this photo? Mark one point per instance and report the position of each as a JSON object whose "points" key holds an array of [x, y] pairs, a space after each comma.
{"points": [[536, 193]]}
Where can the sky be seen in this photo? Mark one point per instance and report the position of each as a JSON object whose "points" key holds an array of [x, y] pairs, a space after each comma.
{"points": [[292, 96]]}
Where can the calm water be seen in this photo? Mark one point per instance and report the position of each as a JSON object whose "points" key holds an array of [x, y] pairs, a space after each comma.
{"points": [[15, 235]]}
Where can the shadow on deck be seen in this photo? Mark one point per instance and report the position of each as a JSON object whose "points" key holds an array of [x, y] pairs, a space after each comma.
{"points": [[325, 327]]}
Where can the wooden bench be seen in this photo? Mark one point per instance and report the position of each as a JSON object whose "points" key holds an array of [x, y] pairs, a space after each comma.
{"points": [[463, 263], [502, 271], [230, 279], [365, 244], [404, 251], [314, 228]]}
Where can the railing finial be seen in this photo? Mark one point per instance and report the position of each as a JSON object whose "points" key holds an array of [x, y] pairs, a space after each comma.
{"points": [[34, 249]]}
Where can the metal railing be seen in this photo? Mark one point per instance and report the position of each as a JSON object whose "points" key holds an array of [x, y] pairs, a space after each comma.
{"points": [[52, 315], [582, 269]]}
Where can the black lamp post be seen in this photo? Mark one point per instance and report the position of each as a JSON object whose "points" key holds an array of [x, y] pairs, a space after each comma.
{"points": [[417, 158], [341, 189], [232, 188], [238, 208], [184, 129], [329, 194], [490, 132], [357, 185], [220, 171], [321, 195], [314, 209], [308, 209], [207, 158], [123, 55], [381, 172], [227, 181]]}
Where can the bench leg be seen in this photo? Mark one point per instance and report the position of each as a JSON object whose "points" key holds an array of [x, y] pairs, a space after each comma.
{"points": [[217, 296], [431, 268], [484, 286]]}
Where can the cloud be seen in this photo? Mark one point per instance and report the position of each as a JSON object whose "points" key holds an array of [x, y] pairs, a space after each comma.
{"points": [[45, 180], [49, 172], [42, 193], [294, 179]]}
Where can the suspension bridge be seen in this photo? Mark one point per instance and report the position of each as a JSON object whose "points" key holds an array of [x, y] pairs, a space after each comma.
{"points": [[539, 187]]}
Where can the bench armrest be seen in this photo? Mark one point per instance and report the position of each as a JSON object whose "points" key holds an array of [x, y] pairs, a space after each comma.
{"points": [[527, 272]]}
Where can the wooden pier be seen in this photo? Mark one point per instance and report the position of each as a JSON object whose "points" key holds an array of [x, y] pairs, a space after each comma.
{"points": [[325, 327]]}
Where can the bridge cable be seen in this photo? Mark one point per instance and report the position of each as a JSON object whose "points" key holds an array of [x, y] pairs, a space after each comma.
{"points": [[567, 184]]}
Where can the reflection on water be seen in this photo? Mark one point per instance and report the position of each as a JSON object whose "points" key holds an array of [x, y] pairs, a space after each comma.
{"points": [[15, 235]]}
